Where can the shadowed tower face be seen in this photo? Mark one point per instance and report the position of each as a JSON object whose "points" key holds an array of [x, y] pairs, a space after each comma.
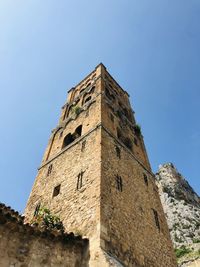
{"points": [[95, 175]]}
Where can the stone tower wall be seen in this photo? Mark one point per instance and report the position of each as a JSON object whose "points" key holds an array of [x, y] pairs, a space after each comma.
{"points": [[120, 222], [128, 227]]}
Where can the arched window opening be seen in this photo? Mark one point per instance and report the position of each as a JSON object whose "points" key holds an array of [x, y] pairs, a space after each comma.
{"points": [[87, 99], [92, 89], [128, 143], [68, 140], [78, 131], [88, 84], [82, 91], [109, 95]]}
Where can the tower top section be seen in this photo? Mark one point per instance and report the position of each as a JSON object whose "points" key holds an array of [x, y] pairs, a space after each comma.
{"points": [[100, 71], [100, 65]]}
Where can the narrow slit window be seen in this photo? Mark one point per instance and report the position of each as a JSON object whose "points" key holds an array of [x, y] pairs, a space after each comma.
{"points": [[56, 190], [49, 169], [79, 180], [119, 184], [83, 145], [37, 208], [61, 134], [145, 179], [156, 218], [118, 152]]}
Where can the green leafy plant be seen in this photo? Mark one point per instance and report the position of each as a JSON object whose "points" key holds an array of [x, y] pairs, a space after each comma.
{"points": [[137, 129], [44, 218], [76, 110], [196, 240], [180, 252]]}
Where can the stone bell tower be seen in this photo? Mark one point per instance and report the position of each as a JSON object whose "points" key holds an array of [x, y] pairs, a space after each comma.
{"points": [[95, 175]]}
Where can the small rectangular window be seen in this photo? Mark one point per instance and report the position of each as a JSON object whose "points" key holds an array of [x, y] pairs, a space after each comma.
{"points": [[119, 184], [56, 190], [156, 218]]}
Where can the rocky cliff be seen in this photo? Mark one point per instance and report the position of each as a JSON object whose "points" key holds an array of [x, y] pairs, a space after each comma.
{"points": [[182, 208]]}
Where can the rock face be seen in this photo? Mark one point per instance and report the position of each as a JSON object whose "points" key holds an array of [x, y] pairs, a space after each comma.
{"points": [[182, 208]]}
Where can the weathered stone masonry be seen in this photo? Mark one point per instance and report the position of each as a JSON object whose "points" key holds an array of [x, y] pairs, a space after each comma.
{"points": [[95, 174], [22, 245]]}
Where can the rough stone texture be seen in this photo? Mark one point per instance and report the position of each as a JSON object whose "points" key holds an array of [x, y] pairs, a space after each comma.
{"points": [[182, 208], [128, 226], [121, 226], [26, 246]]}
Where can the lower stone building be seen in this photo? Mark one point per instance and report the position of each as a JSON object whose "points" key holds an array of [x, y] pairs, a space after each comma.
{"points": [[23, 245]]}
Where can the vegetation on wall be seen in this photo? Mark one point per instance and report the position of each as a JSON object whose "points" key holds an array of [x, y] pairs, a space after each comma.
{"points": [[182, 251], [76, 110], [137, 129], [44, 218]]}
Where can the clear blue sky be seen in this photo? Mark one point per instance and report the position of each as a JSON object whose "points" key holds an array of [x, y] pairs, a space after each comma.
{"points": [[151, 47]]}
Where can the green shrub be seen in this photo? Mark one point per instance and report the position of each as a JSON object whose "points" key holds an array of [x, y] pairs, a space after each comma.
{"points": [[180, 252], [197, 225], [137, 129], [43, 217], [196, 240], [76, 110]]}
